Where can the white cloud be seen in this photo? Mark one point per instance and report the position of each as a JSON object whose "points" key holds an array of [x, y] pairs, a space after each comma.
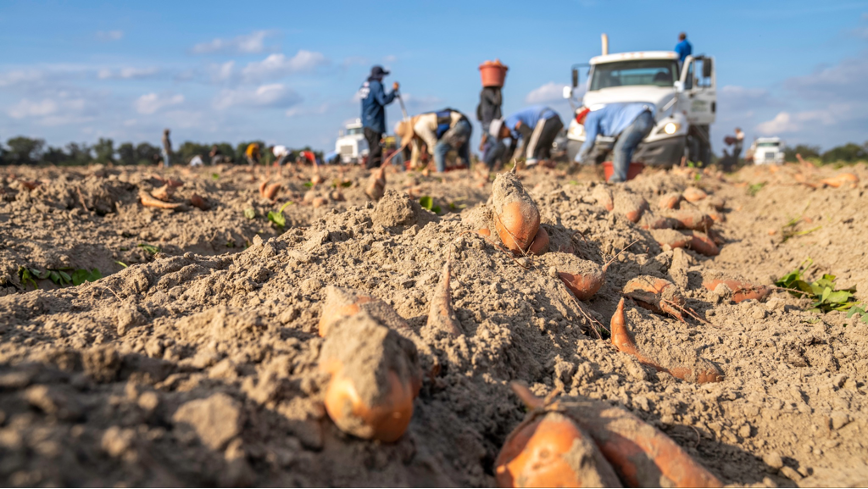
{"points": [[786, 122], [549, 93], [128, 73], [20, 77], [842, 82], [247, 44], [273, 95], [150, 103], [27, 108], [278, 65], [306, 111], [110, 35]]}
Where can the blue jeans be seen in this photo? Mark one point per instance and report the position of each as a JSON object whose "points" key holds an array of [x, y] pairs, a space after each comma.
{"points": [[627, 143], [165, 156], [492, 151], [457, 137]]}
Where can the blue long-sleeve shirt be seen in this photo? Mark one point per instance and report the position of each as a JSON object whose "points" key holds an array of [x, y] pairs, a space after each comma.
{"points": [[684, 49], [610, 121], [374, 102], [529, 117]]}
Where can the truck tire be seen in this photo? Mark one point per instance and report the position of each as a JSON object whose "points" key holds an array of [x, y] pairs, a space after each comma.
{"points": [[699, 145]]}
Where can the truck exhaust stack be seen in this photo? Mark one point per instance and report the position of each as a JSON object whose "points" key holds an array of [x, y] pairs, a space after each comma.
{"points": [[605, 44]]}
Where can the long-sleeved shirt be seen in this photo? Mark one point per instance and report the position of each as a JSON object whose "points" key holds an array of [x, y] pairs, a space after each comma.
{"points": [[374, 102], [529, 117], [167, 144], [684, 49], [425, 127], [490, 100], [610, 121]]}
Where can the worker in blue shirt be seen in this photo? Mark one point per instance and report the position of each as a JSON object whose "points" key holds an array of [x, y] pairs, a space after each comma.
{"points": [[629, 122], [683, 48], [536, 127], [374, 101]]}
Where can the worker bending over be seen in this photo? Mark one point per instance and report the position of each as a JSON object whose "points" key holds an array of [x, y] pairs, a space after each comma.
{"points": [[440, 132], [630, 123], [252, 154], [536, 127]]}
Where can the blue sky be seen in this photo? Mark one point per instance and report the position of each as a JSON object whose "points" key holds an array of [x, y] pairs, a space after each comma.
{"points": [[287, 72]]}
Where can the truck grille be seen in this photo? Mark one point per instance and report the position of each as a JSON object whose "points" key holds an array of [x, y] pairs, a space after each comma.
{"points": [[770, 156], [347, 150]]}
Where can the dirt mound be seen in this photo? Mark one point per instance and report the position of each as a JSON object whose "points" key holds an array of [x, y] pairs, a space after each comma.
{"points": [[204, 368]]}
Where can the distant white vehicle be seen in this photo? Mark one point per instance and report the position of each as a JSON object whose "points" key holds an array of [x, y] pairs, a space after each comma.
{"points": [[766, 151], [351, 144]]}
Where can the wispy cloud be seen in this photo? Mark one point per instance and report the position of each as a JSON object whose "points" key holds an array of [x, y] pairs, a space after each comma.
{"points": [[110, 35], [246, 44], [126, 73], [278, 65], [273, 95], [150, 103], [549, 93]]}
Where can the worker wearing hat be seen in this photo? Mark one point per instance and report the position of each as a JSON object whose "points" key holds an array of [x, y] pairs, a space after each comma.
{"points": [[440, 132], [629, 123], [374, 101], [536, 127]]}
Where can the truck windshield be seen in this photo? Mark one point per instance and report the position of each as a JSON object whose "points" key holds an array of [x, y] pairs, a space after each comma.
{"points": [[767, 145], [353, 131], [655, 72]]}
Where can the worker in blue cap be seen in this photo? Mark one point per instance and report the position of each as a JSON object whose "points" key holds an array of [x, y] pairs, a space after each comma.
{"points": [[374, 101]]}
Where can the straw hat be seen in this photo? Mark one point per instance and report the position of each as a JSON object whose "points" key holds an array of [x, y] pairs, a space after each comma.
{"points": [[404, 130]]}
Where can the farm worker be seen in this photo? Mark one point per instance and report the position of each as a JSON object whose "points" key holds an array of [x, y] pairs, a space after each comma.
{"points": [[536, 127], [280, 152], [629, 122], [489, 109], [739, 143], [216, 155], [167, 149], [252, 154], [374, 102], [196, 161], [683, 48], [441, 132]]}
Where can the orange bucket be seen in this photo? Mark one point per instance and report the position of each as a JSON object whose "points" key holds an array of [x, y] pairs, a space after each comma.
{"points": [[633, 170], [493, 73]]}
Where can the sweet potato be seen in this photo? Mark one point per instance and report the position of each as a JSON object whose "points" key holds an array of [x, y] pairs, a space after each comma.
{"points": [[343, 303], [149, 201], [375, 376], [516, 217], [163, 193], [441, 316], [652, 221], [841, 179], [376, 184], [196, 200], [669, 201], [584, 278], [691, 219], [550, 450], [316, 179], [30, 185], [319, 201], [630, 205], [656, 294], [702, 244], [671, 238], [640, 455], [262, 186], [693, 194], [540, 243], [741, 291], [271, 191], [603, 196]]}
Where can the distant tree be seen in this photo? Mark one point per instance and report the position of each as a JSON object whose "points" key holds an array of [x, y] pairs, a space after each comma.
{"points": [[104, 150], [127, 154], [23, 150], [55, 156], [145, 154], [79, 154], [805, 150], [226, 150], [848, 153], [189, 149]]}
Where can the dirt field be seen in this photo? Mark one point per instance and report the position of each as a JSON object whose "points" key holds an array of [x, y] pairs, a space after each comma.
{"points": [[195, 360]]}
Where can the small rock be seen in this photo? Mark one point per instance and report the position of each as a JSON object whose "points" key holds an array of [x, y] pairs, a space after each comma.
{"points": [[53, 401], [773, 460], [744, 431], [311, 285], [216, 419], [116, 441], [790, 473], [839, 420]]}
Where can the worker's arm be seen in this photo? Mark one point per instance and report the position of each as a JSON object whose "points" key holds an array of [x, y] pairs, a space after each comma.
{"points": [[423, 129], [380, 94], [414, 153]]}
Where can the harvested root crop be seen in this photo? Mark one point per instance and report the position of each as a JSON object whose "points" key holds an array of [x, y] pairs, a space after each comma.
{"points": [[703, 244], [841, 180], [163, 193], [516, 216], [693, 194], [630, 205], [376, 184], [271, 191], [540, 243], [343, 303], [375, 376], [656, 294], [740, 291], [671, 238], [669, 201], [692, 219], [149, 201], [603, 197], [584, 278], [442, 316], [198, 201]]}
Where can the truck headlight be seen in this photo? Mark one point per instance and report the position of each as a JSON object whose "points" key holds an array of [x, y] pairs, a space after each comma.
{"points": [[670, 128]]}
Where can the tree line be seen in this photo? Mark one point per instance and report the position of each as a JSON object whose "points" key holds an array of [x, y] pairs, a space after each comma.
{"points": [[22, 150], [847, 153]]}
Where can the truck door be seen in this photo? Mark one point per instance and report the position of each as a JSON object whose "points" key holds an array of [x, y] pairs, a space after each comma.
{"points": [[699, 96]]}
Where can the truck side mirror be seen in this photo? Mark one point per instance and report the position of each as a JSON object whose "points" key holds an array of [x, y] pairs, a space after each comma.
{"points": [[706, 68], [568, 92], [679, 86], [575, 77]]}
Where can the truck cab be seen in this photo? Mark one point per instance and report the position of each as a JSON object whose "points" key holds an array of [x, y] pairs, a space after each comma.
{"points": [[766, 151], [351, 144], [683, 96]]}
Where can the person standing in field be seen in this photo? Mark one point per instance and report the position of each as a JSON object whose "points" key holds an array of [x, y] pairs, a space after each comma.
{"points": [[167, 149], [489, 109], [374, 101], [683, 48], [738, 144]]}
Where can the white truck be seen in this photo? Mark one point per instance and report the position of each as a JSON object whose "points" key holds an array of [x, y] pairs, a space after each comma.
{"points": [[685, 98], [766, 151], [351, 144]]}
